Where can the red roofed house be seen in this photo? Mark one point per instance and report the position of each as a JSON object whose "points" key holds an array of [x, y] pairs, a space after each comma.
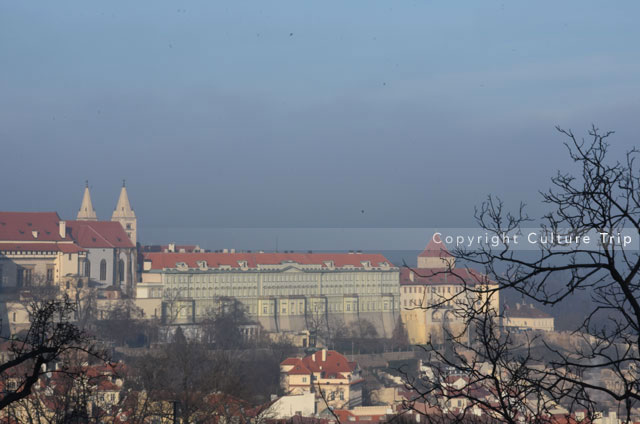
{"points": [[35, 248], [526, 317], [433, 295], [365, 414], [339, 379], [284, 292]]}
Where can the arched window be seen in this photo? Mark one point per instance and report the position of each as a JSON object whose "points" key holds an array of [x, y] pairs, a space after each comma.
{"points": [[103, 270], [87, 268], [120, 271]]}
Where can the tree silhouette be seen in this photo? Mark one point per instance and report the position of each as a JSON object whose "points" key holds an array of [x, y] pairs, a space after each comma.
{"points": [[512, 375]]}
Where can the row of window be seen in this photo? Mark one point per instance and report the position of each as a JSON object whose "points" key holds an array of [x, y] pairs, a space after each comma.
{"points": [[103, 270], [434, 289], [277, 278]]}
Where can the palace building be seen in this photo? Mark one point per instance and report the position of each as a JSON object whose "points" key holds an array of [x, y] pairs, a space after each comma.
{"points": [[36, 249], [282, 291], [433, 295]]}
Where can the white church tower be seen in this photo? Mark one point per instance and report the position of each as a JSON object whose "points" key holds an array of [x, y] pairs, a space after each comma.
{"points": [[125, 215], [86, 212]]}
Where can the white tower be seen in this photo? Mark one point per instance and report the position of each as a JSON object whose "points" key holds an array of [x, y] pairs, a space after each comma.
{"points": [[86, 212], [125, 215]]}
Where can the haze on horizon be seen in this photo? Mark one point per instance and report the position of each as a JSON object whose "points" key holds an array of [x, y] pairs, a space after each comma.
{"points": [[291, 114]]}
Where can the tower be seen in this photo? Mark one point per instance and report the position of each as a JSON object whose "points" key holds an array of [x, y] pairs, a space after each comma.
{"points": [[86, 212], [125, 215]]}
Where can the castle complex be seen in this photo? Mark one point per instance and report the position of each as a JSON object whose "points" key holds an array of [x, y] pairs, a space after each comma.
{"points": [[282, 292]]}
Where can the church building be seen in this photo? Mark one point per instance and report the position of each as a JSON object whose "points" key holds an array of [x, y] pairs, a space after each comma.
{"points": [[110, 245]]}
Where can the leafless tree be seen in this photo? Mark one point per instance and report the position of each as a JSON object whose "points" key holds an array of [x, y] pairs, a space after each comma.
{"points": [[512, 376], [52, 338]]}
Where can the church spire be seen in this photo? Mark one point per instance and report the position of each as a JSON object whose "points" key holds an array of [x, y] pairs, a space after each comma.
{"points": [[124, 214], [86, 212]]}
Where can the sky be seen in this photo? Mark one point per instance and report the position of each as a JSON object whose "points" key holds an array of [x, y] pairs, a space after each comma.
{"points": [[359, 114]]}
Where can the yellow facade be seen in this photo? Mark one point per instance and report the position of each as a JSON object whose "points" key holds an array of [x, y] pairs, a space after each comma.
{"points": [[435, 296]]}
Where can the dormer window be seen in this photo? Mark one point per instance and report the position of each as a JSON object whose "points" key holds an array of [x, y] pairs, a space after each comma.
{"points": [[202, 265], [182, 266]]}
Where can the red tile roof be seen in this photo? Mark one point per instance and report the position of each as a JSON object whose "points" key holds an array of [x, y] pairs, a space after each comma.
{"points": [[299, 369], [41, 247], [19, 226], [347, 416], [524, 311], [169, 260], [333, 364], [435, 250], [99, 234], [444, 276]]}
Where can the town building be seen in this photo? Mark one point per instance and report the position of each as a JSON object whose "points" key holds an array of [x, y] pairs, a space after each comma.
{"points": [[111, 256], [527, 317], [285, 407], [434, 295], [36, 249], [336, 381], [282, 291]]}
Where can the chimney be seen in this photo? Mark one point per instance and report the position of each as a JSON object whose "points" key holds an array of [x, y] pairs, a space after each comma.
{"points": [[324, 355], [411, 275], [313, 357], [62, 227], [518, 306], [172, 247]]}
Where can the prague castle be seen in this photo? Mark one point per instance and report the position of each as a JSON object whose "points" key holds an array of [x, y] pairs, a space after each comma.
{"points": [[283, 292]]}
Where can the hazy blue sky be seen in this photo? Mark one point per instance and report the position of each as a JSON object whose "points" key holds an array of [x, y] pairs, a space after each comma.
{"points": [[297, 113]]}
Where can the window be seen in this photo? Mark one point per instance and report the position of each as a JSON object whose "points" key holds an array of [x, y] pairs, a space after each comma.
{"points": [[103, 270], [120, 271], [24, 276], [87, 268], [49, 275]]}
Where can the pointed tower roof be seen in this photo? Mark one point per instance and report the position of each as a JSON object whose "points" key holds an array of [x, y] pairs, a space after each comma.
{"points": [[435, 249], [86, 212], [123, 208]]}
